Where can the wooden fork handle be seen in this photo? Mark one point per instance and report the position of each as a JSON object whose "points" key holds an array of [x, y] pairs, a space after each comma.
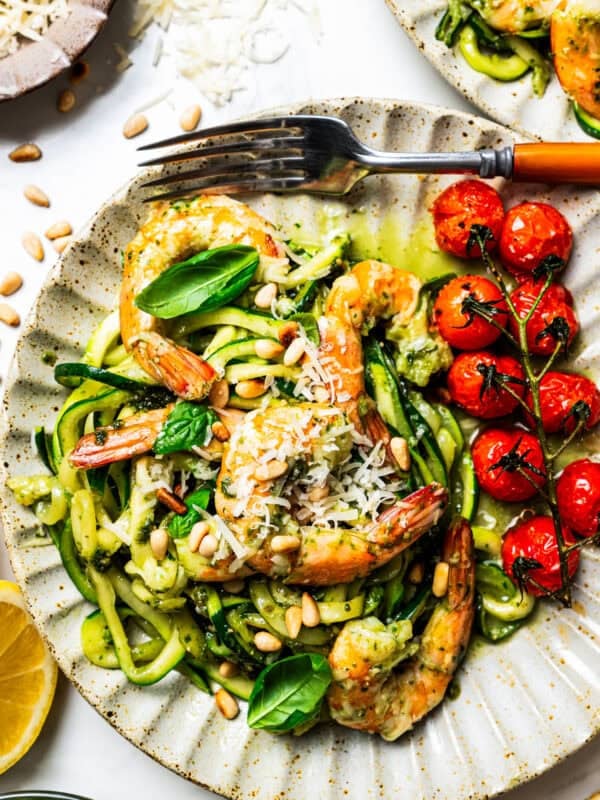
{"points": [[560, 162]]}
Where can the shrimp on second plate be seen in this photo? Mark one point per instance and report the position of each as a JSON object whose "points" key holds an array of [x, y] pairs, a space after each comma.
{"points": [[171, 233], [515, 16], [366, 693], [575, 38]]}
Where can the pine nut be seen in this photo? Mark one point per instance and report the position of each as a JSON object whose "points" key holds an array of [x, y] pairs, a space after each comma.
{"points": [[440, 579], [284, 544], [60, 244], [321, 394], [33, 245], [10, 283], [268, 348], [266, 642], [287, 333], [416, 573], [190, 118], [227, 704], [9, 316], [265, 295], [293, 621], [208, 546], [159, 543], [271, 470], [234, 587], [66, 101], [294, 352], [401, 453], [36, 196], [310, 611], [318, 493], [250, 389], [228, 669], [59, 229], [218, 396], [198, 532], [135, 125], [25, 152], [219, 431]]}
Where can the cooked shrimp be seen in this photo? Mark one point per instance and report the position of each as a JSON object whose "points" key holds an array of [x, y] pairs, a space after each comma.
{"points": [[366, 694], [172, 233], [514, 16], [575, 37]]}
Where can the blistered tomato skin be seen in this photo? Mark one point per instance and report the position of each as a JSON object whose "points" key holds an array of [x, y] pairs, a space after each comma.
{"points": [[461, 206], [556, 302], [466, 330], [559, 392], [578, 492], [532, 232], [535, 539], [508, 484], [467, 389]]}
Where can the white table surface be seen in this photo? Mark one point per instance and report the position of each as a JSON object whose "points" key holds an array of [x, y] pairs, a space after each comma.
{"points": [[360, 50]]}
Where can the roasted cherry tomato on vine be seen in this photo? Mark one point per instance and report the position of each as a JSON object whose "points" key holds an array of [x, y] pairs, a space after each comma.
{"points": [[544, 329], [578, 491], [564, 399], [531, 233], [461, 206], [535, 539], [476, 383], [499, 454], [455, 315]]}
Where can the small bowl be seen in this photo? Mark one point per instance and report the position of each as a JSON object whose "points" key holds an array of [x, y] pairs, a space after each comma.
{"points": [[35, 63]]}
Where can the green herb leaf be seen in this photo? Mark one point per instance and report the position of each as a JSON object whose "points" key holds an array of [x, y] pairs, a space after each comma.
{"points": [[182, 524], [206, 281], [309, 325], [289, 692], [187, 425]]}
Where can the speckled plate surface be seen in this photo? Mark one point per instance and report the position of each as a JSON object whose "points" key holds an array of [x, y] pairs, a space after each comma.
{"points": [[513, 104], [35, 63], [522, 706]]}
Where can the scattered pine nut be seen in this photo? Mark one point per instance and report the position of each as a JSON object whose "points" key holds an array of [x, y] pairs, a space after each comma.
{"points": [[265, 295], [248, 390], [228, 669], [294, 352], [198, 532], [266, 642], [135, 125], [284, 544], [66, 101], [9, 316], [58, 230], [25, 152], [416, 573], [293, 621], [10, 283], [268, 348], [234, 587], [440, 579], [159, 543], [271, 470], [311, 615], [318, 493], [33, 245], [61, 243], [227, 704], [36, 196], [219, 394], [401, 453], [321, 394], [208, 546], [220, 431], [190, 118], [171, 501]]}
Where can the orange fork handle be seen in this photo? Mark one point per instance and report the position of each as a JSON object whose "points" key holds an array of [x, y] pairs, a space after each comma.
{"points": [[560, 162]]}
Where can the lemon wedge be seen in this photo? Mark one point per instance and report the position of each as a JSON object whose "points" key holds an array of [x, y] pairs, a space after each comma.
{"points": [[27, 677]]}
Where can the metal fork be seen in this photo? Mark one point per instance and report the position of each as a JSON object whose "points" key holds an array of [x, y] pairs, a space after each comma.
{"points": [[318, 154]]}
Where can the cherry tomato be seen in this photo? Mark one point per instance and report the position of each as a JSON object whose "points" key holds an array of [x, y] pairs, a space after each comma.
{"points": [[514, 447], [464, 329], [460, 206], [532, 232], [578, 491], [469, 387], [556, 302], [535, 538], [559, 393]]}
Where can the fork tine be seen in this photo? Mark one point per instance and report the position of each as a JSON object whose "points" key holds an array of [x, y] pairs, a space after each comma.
{"points": [[271, 166], [250, 126], [283, 184], [278, 143]]}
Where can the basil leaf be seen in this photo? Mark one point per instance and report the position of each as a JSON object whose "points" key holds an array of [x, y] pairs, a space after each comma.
{"points": [[309, 325], [187, 425], [182, 524], [289, 692], [206, 281]]}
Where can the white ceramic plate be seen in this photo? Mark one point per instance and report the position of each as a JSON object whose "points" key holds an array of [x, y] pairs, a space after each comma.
{"points": [[522, 706], [513, 104]]}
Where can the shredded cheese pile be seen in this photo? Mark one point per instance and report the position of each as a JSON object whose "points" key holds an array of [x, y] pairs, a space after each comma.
{"points": [[22, 20]]}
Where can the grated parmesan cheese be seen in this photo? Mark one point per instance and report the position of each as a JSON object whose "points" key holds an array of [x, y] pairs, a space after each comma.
{"points": [[22, 20]]}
